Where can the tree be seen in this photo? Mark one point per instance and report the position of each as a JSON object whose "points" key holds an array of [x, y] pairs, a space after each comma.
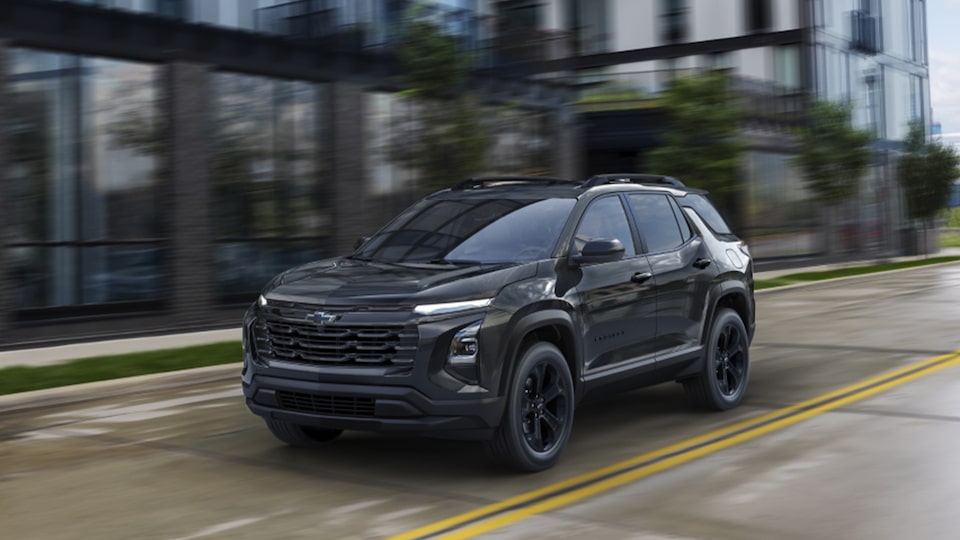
{"points": [[833, 155], [926, 172], [701, 144], [448, 141]]}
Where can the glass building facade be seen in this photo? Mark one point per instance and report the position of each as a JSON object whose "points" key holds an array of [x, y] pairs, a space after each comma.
{"points": [[85, 171]]}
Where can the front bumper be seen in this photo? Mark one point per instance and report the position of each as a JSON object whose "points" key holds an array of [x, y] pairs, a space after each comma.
{"points": [[369, 407]]}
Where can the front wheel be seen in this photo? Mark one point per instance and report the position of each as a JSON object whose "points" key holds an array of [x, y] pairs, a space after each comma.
{"points": [[726, 366], [539, 414]]}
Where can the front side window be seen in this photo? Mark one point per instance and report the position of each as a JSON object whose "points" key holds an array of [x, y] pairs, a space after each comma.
{"points": [[606, 219], [471, 231], [656, 221]]}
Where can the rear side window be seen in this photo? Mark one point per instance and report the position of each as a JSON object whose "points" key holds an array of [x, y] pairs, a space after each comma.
{"points": [[657, 221], [685, 232], [707, 212]]}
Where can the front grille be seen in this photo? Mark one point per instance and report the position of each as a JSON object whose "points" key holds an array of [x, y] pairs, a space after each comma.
{"points": [[326, 404], [290, 336]]}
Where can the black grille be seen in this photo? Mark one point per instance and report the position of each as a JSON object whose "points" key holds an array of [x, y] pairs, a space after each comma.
{"points": [[292, 337], [326, 404]]}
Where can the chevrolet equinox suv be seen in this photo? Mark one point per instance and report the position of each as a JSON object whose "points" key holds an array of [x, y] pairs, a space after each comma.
{"points": [[489, 310]]}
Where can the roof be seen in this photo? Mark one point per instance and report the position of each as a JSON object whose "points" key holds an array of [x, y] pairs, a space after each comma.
{"points": [[541, 187]]}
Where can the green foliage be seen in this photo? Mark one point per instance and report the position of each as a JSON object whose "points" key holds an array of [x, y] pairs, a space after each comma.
{"points": [[449, 140], [833, 154], [926, 172], [701, 145], [101, 368], [953, 218]]}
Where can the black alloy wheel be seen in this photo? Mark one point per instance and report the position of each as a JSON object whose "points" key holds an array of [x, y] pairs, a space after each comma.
{"points": [[726, 364], [539, 413], [731, 359], [545, 407]]}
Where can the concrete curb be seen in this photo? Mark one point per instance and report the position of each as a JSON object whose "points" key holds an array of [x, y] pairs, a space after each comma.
{"points": [[79, 393]]}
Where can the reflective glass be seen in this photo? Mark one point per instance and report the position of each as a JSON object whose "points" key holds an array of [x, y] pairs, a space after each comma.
{"points": [[83, 169], [471, 231]]}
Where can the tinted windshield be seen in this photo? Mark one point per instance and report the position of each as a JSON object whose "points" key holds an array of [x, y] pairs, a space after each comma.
{"points": [[471, 231]]}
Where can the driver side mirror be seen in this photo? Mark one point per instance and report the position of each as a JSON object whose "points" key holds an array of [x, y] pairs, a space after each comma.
{"points": [[599, 250], [360, 241]]}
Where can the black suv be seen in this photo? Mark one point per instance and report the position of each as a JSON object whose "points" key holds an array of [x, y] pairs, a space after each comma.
{"points": [[489, 310]]}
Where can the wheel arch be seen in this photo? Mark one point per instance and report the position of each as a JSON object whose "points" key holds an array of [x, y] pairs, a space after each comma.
{"points": [[554, 326]]}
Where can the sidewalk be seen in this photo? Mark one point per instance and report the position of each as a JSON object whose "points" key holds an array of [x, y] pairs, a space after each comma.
{"points": [[42, 356]]}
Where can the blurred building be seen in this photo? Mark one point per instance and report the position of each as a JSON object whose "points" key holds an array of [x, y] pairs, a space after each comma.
{"points": [[869, 53], [161, 159]]}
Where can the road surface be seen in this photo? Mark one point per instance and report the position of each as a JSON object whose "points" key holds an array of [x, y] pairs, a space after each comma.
{"points": [[850, 429]]}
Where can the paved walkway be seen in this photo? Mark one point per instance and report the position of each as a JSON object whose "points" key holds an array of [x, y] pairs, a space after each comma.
{"points": [[42, 356]]}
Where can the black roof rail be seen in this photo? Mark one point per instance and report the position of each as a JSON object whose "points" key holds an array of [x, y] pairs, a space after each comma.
{"points": [[631, 178], [480, 181]]}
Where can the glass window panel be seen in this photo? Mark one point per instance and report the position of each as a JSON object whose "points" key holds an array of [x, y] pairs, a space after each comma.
{"points": [[122, 273], [896, 21], [656, 221], [123, 146], [897, 106], [605, 218]]}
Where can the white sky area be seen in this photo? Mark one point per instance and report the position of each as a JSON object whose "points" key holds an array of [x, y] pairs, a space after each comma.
{"points": [[943, 33]]}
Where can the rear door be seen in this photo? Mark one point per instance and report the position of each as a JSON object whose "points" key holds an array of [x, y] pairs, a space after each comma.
{"points": [[682, 273]]}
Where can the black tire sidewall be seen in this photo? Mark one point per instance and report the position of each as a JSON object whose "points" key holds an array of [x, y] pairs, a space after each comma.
{"points": [[527, 458], [723, 318]]}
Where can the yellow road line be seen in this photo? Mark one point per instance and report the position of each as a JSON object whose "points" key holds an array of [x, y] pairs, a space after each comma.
{"points": [[565, 492]]}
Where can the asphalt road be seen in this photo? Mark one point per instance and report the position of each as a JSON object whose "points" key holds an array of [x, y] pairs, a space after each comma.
{"points": [[863, 455]]}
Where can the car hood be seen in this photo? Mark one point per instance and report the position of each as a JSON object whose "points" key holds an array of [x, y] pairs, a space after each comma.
{"points": [[352, 282]]}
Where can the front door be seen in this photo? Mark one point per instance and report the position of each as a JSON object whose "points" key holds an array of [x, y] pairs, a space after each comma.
{"points": [[617, 299]]}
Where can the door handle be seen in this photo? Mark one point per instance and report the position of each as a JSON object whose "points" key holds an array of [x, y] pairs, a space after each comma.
{"points": [[640, 277], [702, 263]]}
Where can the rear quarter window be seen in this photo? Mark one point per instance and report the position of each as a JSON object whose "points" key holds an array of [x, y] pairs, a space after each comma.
{"points": [[702, 206]]}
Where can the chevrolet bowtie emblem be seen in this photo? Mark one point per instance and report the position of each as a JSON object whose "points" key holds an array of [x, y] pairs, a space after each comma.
{"points": [[322, 317]]}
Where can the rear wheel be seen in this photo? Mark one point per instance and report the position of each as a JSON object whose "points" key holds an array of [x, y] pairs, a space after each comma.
{"points": [[298, 435], [539, 414], [726, 367]]}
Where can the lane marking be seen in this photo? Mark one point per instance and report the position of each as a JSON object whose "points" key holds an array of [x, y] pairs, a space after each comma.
{"points": [[511, 510]]}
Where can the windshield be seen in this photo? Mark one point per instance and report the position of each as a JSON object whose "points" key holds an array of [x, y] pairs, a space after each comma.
{"points": [[471, 231]]}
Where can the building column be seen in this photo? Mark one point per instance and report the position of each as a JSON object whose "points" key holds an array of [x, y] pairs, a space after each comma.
{"points": [[352, 212], [6, 201], [567, 148], [190, 253]]}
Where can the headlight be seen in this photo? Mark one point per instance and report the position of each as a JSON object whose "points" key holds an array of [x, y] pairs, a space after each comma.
{"points": [[462, 359], [451, 307]]}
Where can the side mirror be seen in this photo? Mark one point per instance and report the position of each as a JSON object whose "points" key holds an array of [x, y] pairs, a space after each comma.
{"points": [[360, 241], [599, 250]]}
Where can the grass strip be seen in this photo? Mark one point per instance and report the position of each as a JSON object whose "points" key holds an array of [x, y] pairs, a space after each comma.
{"points": [[805, 277], [950, 239], [101, 368]]}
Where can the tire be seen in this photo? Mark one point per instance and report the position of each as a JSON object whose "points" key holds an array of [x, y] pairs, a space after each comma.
{"points": [[539, 414], [300, 436], [726, 364]]}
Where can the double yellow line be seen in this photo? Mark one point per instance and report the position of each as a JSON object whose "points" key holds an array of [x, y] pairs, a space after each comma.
{"points": [[503, 513]]}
